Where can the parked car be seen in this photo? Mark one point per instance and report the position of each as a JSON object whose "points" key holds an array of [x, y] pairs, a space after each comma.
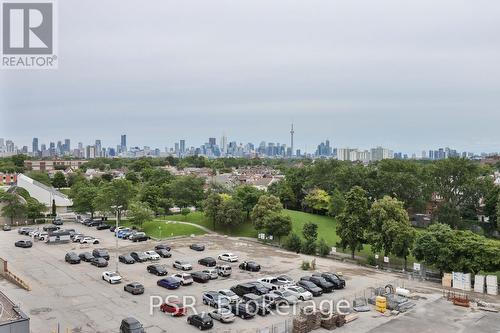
{"points": [[174, 308], [261, 289], [163, 253], [208, 262], [183, 265], [138, 237], [135, 288], [169, 283], [247, 288], [212, 272], [113, 228], [101, 253], [23, 243], [185, 279], [197, 247], [271, 283], [203, 321], [223, 270], [131, 325], [200, 277], [228, 257], [76, 238], [57, 221], [139, 256], [111, 277], [93, 223], [284, 297], [258, 302], [72, 258], [48, 228], [224, 315], [152, 255], [7, 227], [286, 280], [42, 236], [242, 310], [229, 295], [125, 234], [337, 281], [158, 270], [326, 286], [250, 266], [86, 256], [126, 259], [120, 233], [99, 262], [299, 292], [103, 226], [162, 247], [89, 240], [214, 299], [311, 287]]}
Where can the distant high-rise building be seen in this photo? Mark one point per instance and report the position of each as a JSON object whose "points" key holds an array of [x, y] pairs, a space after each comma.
{"points": [[123, 143], [34, 147], [212, 141], [223, 144], [98, 148], [67, 145], [182, 147]]}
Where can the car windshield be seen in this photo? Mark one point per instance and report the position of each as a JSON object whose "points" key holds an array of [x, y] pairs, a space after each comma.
{"points": [[114, 275], [287, 294]]}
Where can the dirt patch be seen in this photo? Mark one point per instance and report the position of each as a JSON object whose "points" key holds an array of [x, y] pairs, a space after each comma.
{"points": [[38, 311]]}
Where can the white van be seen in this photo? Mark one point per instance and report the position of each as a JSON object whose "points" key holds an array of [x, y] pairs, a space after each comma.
{"points": [[223, 270]]}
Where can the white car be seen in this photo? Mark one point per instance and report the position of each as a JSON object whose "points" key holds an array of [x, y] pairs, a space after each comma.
{"points": [[183, 265], [212, 272], [152, 255], [228, 257], [272, 283], [111, 277], [184, 278], [42, 236], [34, 233], [89, 240], [299, 292], [285, 279], [233, 298]]}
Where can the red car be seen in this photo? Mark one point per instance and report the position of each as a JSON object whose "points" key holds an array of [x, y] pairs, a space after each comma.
{"points": [[173, 308]]}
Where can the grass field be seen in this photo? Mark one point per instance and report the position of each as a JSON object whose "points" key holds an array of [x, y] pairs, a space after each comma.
{"points": [[160, 229]]}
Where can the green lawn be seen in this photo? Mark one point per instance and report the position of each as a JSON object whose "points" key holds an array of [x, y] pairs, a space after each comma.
{"points": [[160, 229]]}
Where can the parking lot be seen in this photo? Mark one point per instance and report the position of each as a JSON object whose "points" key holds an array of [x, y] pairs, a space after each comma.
{"points": [[76, 298]]}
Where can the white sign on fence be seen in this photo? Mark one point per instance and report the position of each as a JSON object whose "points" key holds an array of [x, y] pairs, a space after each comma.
{"points": [[334, 250], [386, 259], [416, 266]]}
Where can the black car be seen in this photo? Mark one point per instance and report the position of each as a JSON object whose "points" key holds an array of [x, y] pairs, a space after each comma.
{"points": [[311, 287], [94, 223], [135, 288], [338, 282], [112, 228], [158, 270], [259, 303], [99, 262], [242, 310], [101, 253], [72, 258], [260, 288], [57, 221], [6, 227], [248, 288], [250, 266], [197, 247], [162, 247], [139, 256], [326, 286], [86, 256], [23, 243], [200, 277], [138, 237], [203, 321], [208, 262], [163, 253], [50, 228], [126, 259], [103, 227], [131, 325]]}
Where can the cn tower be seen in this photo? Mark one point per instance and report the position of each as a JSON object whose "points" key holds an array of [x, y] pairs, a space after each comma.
{"points": [[291, 139]]}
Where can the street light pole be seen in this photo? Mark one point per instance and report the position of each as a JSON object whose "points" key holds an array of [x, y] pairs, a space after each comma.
{"points": [[117, 209]]}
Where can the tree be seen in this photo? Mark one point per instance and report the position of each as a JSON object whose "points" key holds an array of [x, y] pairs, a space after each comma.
{"points": [[353, 221], [211, 206], [491, 205], [83, 194], [34, 209], [323, 248], [151, 195], [310, 233], [283, 191], [139, 213], [230, 213], [498, 213], [54, 208], [293, 243], [337, 203], [119, 192], [248, 196], [107, 177], [187, 191], [267, 205], [59, 180], [317, 200], [277, 225], [14, 207]]}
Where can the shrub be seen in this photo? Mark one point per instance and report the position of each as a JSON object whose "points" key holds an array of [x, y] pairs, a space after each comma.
{"points": [[293, 243], [185, 211], [309, 247], [371, 260], [323, 248], [305, 265]]}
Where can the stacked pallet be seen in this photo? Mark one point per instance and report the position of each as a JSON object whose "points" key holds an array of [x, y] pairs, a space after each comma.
{"points": [[491, 285], [341, 320], [329, 322], [300, 325], [479, 283], [446, 281]]}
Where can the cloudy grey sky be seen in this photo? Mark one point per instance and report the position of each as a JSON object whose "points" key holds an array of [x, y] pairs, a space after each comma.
{"points": [[409, 75]]}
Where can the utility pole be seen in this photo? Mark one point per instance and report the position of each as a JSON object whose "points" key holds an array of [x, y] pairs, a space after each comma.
{"points": [[117, 210]]}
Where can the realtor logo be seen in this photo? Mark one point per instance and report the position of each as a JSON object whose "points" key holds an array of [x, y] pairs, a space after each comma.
{"points": [[28, 35]]}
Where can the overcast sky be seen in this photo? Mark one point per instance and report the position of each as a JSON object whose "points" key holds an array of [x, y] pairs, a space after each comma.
{"points": [[409, 75]]}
